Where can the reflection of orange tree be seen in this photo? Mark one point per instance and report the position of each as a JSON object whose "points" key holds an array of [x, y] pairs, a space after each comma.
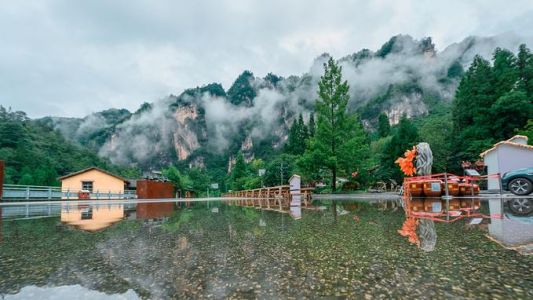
{"points": [[406, 163], [408, 168]]}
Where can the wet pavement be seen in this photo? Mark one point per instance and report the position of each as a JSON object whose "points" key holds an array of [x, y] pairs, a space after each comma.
{"points": [[161, 252]]}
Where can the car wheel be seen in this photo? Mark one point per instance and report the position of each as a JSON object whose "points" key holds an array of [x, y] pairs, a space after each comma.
{"points": [[520, 186], [521, 206]]}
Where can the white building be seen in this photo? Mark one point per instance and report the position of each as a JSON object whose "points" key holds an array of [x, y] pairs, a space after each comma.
{"points": [[505, 156]]}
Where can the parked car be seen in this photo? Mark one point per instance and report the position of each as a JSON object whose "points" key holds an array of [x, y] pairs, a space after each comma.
{"points": [[518, 182], [520, 206]]}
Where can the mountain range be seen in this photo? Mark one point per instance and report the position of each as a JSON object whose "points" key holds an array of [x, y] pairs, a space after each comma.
{"points": [[207, 126]]}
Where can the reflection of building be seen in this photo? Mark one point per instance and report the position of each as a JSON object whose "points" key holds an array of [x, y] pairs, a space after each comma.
{"points": [[506, 156], [93, 180], [92, 217], [511, 231], [154, 210]]}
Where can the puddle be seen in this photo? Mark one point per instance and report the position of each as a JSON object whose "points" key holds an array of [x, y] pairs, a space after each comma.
{"points": [[160, 251]]}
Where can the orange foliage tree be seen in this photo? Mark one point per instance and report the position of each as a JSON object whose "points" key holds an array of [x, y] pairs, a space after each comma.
{"points": [[407, 163]]}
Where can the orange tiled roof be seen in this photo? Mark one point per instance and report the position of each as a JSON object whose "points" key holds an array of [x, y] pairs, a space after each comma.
{"points": [[510, 143], [89, 169]]}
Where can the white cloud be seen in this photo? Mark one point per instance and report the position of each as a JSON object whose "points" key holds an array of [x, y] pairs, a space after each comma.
{"points": [[75, 57]]}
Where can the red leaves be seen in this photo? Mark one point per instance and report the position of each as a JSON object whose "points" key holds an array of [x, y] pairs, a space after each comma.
{"points": [[406, 164]]}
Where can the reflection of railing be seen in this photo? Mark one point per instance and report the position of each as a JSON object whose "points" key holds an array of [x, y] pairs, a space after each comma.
{"points": [[276, 197], [52, 208], [31, 211], [27, 192]]}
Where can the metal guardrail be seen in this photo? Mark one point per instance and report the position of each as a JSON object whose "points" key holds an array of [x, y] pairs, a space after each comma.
{"points": [[14, 192]]}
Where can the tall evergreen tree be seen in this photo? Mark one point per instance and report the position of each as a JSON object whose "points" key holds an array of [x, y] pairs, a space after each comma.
{"points": [[505, 71], [525, 69], [238, 174], [383, 125], [298, 136], [303, 133], [510, 113], [471, 110], [340, 143], [312, 126], [492, 103]]}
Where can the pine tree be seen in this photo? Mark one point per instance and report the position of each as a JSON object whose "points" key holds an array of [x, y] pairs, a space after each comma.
{"points": [[525, 69], [339, 143], [238, 174], [510, 113], [312, 125], [492, 103], [303, 134], [471, 110], [298, 136], [505, 71], [383, 125]]}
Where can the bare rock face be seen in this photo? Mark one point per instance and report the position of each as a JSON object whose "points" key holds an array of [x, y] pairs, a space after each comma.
{"points": [[197, 162], [231, 163], [248, 144], [185, 139], [410, 105], [247, 149]]}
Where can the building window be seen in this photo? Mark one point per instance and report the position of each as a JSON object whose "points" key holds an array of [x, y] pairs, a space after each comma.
{"points": [[87, 185]]}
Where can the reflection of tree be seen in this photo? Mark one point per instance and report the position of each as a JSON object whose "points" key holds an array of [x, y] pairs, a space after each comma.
{"points": [[1, 231]]}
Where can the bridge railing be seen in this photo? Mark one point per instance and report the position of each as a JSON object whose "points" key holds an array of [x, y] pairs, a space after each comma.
{"points": [[275, 197]]}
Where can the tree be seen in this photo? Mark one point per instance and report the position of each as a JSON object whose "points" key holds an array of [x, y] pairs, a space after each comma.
{"points": [[238, 174], [471, 110], [304, 132], [525, 69], [528, 131], [510, 112], [298, 136], [405, 136], [491, 103], [174, 175], [242, 91], [436, 130], [279, 170], [340, 143], [312, 125], [383, 125], [505, 71]]}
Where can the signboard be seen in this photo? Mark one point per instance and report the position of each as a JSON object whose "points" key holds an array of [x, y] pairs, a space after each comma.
{"points": [[214, 186], [262, 172]]}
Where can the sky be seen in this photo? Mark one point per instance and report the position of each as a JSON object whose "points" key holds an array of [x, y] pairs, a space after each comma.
{"points": [[72, 58]]}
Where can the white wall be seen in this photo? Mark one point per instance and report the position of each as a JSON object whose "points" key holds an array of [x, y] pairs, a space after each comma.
{"points": [[506, 158], [491, 161], [512, 158]]}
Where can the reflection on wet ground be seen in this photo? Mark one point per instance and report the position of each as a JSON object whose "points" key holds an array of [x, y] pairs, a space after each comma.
{"points": [[212, 250], [92, 217], [512, 230]]}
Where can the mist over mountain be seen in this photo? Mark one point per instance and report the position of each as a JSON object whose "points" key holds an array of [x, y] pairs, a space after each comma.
{"points": [[206, 126]]}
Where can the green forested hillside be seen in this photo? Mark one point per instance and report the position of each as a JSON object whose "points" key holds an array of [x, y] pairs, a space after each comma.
{"points": [[37, 154], [457, 102]]}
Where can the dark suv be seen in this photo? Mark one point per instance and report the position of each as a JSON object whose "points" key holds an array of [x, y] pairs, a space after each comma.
{"points": [[518, 182]]}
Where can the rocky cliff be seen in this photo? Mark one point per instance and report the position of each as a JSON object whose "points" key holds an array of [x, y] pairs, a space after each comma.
{"points": [[206, 126]]}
